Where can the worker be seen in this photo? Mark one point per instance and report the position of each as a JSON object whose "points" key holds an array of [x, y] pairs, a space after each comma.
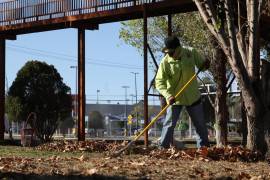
{"points": [[175, 70]]}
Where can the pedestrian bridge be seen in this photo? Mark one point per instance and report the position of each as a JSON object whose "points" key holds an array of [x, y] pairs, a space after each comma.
{"points": [[26, 16], [29, 16]]}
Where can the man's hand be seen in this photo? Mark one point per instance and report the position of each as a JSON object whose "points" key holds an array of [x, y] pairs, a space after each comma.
{"points": [[171, 100]]}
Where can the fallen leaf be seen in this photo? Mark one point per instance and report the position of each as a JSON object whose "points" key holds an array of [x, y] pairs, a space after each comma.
{"points": [[82, 158], [91, 171], [243, 175], [138, 163]]}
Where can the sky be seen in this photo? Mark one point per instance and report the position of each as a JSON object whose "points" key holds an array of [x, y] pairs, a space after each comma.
{"points": [[109, 61]]}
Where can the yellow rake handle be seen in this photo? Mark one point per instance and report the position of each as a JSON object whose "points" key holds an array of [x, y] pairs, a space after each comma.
{"points": [[165, 108]]}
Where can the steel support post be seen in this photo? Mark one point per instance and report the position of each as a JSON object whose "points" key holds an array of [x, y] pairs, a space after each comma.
{"points": [[81, 84], [145, 39], [169, 25], [2, 87]]}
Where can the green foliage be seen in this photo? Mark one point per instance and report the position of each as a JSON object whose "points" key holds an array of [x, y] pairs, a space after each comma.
{"points": [[183, 126], [66, 123], [95, 120], [188, 27], [39, 88]]}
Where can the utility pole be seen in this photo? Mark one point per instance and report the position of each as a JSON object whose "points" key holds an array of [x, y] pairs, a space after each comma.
{"points": [[135, 74], [125, 87], [97, 94], [76, 95]]}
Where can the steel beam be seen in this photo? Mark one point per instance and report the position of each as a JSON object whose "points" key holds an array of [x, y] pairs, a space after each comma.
{"points": [[169, 25], [2, 86], [114, 15], [81, 84], [145, 57]]}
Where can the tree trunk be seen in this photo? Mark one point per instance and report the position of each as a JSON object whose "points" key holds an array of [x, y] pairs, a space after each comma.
{"points": [[255, 124], [243, 124], [221, 108], [245, 68], [265, 73]]}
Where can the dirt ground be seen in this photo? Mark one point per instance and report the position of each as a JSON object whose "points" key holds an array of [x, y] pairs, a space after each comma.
{"points": [[69, 160]]}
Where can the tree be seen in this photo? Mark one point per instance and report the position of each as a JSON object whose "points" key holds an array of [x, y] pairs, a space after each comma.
{"points": [[95, 120], [239, 40], [192, 32], [39, 89], [65, 124], [221, 108]]}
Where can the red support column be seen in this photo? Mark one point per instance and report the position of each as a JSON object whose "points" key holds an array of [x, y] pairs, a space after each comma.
{"points": [[81, 84], [145, 39], [2, 87]]}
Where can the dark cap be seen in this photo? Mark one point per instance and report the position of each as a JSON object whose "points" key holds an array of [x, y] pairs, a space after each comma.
{"points": [[171, 43]]}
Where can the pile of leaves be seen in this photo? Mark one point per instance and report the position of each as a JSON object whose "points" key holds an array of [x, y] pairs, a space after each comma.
{"points": [[232, 154], [228, 153], [77, 146]]}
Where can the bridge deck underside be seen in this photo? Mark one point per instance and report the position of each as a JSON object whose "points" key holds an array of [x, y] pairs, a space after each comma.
{"points": [[90, 20]]}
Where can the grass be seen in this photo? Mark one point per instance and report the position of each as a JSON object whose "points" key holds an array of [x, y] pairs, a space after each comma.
{"points": [[28, 152]]}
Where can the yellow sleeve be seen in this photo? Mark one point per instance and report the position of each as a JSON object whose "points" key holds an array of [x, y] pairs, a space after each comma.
{"points": [[161, 81]]}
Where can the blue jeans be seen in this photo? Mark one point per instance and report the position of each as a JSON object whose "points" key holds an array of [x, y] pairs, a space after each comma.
{"points": [[197, 117]]}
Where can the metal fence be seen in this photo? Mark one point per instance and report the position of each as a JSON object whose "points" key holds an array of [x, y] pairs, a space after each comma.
{"points": [[21, 11]]}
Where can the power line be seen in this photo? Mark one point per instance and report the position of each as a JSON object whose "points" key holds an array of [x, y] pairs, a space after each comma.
{"points": [[73, 59], [67, 55]]}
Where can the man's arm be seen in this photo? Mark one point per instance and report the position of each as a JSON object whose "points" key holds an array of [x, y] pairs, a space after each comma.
{"points": [[200, 61], [161, 83]]}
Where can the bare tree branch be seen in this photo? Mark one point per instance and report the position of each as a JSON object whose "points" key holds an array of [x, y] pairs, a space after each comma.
{"points": [[235, 61], [253, 20], [218, 35], [240, 38]]}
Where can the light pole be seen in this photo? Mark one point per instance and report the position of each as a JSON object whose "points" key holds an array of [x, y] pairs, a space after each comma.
{"points": [[76, 95], [97, 94], [132, 96], [135, 74], [125, 87]]}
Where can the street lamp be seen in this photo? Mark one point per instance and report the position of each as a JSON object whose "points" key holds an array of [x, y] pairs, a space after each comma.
{"points": [[132, 96], [97, 94], [76, 93], [135, 74]]}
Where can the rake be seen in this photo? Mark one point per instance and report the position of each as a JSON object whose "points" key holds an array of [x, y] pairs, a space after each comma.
{"points": [[117, 153]]}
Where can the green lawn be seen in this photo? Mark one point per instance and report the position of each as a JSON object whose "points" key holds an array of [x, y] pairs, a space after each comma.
{"points": [[29, 152]]}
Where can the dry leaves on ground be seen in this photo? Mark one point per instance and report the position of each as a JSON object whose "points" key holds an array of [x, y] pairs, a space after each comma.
{"points": [[228, 153]]}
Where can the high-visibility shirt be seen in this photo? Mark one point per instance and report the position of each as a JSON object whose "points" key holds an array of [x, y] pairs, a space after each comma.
{"points": [[174, 72]]}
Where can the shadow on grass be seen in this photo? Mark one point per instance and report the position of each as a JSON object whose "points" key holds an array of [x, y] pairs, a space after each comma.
{"points": [[9, 142], [18, 176]]}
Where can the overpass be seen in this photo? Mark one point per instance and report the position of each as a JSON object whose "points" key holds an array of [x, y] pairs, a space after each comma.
{"points": [[30, 16], [27, 16]]}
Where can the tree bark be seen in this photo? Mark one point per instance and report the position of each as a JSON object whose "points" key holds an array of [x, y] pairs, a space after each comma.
{"points": [[247, 76], [221, 108], [243, 123]]}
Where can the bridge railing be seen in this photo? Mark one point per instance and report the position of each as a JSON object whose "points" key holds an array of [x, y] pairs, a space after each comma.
{"points": [[21, 11]]}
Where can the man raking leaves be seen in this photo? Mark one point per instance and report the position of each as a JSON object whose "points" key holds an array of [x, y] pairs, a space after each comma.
{"points": [[175, 69], [175, 81]]}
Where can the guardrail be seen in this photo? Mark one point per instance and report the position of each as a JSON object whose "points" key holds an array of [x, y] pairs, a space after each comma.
{"points": [[21, 11]]}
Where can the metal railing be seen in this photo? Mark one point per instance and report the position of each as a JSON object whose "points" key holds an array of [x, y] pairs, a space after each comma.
{"points": [[21, 11]]}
